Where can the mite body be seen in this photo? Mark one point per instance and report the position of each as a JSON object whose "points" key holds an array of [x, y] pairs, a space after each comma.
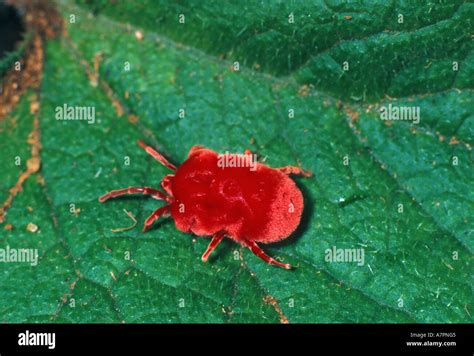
{"points": [[247, 204]]}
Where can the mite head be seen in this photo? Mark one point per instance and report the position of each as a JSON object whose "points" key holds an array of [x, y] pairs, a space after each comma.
{"points": [[196, 175]]}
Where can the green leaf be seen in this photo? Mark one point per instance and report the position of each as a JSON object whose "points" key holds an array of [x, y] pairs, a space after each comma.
{"points": [[412, 44], [401, 199]]}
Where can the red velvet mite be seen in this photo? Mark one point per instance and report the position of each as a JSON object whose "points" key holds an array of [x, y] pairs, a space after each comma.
{"points": [[229, 195]]}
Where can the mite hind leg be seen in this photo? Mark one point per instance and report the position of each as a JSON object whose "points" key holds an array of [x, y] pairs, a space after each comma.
{"points": [[294, 170], [216, 240], [252, 245]]}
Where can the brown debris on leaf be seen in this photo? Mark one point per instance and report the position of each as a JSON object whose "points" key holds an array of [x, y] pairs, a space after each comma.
{"points": [[15, 83], [453, 141], [353, 114], [274, 303], [32, 227], [42, 22], [33, 164], [41, 16], [133, 119], [139, 35], [132, 217], [94, 74], [304, 90]]}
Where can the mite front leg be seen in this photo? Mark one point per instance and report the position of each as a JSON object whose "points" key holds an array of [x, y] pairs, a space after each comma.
{"points": [[217, 238], [155, 193], [252, 245], [156, 155], [294, 170], [158, 213]]}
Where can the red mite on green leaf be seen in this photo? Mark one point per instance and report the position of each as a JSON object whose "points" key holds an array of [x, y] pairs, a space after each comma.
{"points": [[248, 204]]}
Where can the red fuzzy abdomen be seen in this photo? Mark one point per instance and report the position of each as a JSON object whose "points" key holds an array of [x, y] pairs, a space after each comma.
{"points": [[262, 205]]}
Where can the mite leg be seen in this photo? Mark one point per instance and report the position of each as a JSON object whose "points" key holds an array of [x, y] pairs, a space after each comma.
{"points": [[156, 155], [155, 193], [158, 213], [216, 239], [294, 170], [193, 149], [252, 245], [166, 184]]}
